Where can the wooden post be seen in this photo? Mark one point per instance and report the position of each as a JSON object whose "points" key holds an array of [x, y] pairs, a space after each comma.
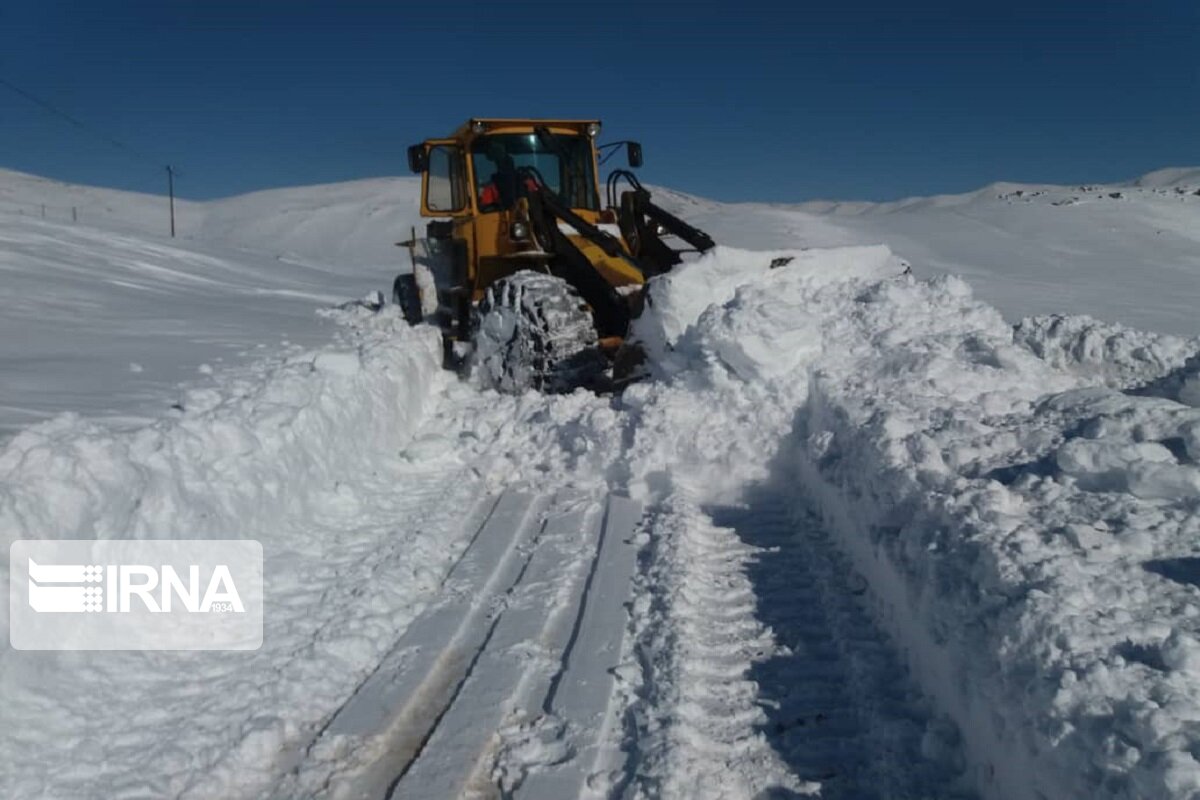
{"points": [[171, 194]]}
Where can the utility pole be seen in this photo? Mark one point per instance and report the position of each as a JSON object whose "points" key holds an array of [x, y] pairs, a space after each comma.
{"points": [[171, 194]]}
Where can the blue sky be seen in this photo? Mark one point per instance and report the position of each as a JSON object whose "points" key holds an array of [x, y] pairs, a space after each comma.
{"points": [[736, 101]]}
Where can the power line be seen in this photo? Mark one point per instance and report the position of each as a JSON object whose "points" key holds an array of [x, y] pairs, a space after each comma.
{"points": [[86, 128], [101, 135]]}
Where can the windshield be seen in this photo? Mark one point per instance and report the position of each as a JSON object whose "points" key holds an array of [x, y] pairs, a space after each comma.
{"points": [[497, 158]]}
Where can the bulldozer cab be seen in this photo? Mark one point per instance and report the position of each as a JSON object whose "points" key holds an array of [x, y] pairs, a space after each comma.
{"points": [[487, 165], [504, 185]]}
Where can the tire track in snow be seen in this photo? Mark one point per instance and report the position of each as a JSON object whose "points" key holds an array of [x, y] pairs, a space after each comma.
{"points": [[841, 710], [695, 717], [763, 675], [508, 730], [368, 549], [391, 714], [477, 443], [465, 703]]}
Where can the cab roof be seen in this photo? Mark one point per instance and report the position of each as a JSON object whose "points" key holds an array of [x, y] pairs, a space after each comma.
{"points": [[466, 130]]}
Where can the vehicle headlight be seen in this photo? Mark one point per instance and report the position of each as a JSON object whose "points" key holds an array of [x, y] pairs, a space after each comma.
{"points": [[518, 231], [593, 129]]}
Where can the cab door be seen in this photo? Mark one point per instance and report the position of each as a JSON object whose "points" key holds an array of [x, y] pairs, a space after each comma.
{"points": [[444, 187], [445, 192]]}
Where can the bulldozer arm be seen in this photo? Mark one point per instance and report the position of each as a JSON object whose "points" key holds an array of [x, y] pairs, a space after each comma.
{"points": [[645, 226]]}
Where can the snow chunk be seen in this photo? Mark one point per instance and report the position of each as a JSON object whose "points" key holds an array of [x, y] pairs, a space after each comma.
{"points": [[675, 301], [1111, 354], [338, 363], [1144, 469], [761, 340]]}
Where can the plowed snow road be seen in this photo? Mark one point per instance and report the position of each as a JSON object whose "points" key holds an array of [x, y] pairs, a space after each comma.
{"points": [[582, 646], [505, 686]]}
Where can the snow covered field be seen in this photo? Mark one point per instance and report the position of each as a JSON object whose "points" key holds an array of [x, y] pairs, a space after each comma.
{"points": [[857, 536], [108, 316]]}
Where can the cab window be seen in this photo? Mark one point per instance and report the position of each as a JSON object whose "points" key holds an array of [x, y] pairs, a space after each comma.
{"points": [[444, 188], [505, 165]]}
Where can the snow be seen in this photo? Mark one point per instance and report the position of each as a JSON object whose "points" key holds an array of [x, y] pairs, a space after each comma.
{"points": [[904, 532], [108, 317], [266, 456], [350, 225], [678, 298], [1115, 355], [33, 197], [1007, 519]]}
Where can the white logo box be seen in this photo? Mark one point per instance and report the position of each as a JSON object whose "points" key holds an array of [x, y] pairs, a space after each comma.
{"points": [[121, 594]]}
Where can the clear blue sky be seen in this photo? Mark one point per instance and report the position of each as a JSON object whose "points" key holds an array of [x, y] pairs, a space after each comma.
{"points": [[738, 101]]}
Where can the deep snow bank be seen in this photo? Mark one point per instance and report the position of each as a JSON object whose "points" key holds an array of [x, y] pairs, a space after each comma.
{"points": [[676, 300], [265, 440], [1026, 539]]}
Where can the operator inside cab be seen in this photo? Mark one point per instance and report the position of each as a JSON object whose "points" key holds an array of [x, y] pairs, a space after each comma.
{"points": [[504, 186]]}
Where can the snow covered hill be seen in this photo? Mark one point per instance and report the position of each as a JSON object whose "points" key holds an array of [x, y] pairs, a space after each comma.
{"points": [[353, 224], [33, 197], [857, 535], [1127, 253], [109, 317]]}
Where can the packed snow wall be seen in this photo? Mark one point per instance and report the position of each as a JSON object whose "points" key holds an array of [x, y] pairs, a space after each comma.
{"points": [[267, 440]]}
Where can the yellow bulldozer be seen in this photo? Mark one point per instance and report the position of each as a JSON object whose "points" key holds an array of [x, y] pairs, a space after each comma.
{"points": [[529, 277]]}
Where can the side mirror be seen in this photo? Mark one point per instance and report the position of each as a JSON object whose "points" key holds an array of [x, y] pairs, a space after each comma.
{"points": [[417, 160], [633, 152]]}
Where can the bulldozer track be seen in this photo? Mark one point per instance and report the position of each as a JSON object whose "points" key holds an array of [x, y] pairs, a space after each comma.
{"points": [[758, 644]]}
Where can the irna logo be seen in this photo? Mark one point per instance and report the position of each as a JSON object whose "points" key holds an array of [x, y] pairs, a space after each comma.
{"points": [[114, 588], [120, 594]]}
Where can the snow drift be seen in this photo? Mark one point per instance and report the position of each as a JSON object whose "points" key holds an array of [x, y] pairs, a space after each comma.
{"points": [[267, 440]]}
